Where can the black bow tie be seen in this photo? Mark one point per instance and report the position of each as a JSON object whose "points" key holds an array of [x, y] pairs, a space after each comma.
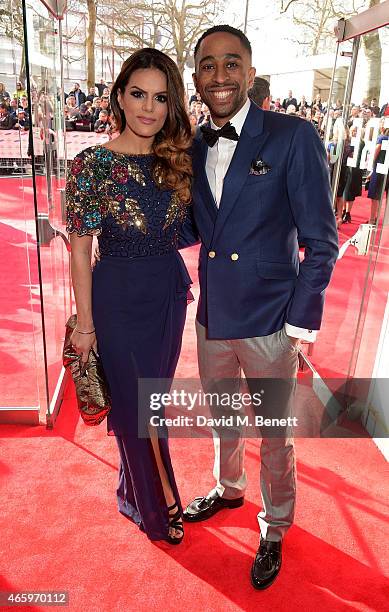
{"points": [[212, 136]]}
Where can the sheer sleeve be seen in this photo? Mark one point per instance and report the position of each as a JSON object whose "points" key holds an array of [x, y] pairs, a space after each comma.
{"points": [[82, 204]]}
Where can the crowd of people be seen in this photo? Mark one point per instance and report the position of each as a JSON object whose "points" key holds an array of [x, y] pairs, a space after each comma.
{"points": [[91, 112], [14, 110]]}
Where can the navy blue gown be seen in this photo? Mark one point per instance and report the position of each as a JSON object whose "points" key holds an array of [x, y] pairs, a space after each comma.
{"points": [[139, 299]]}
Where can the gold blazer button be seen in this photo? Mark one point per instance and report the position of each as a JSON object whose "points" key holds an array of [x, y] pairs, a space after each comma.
{"points": [[211, 254], [234, 256]]}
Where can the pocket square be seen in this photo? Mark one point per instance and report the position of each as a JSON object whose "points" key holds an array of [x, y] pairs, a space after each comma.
{"points": [[258, 167]]}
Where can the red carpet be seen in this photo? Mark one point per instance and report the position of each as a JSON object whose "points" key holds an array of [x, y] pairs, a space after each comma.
{"points": [[61, 529], [334, 345], [21, 345]]}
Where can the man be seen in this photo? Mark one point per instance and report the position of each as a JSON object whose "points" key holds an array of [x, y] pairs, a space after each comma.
{"points": [[78, 94], [102, 125], [260, 93], [103, 105], [6, 120], [92, 94], [13, 109], [83, 119], [260, 185], [22, 122], [101, 86], [289, 100], [354, 114], [375, 109], [303, 104], [198, 112], [291, 110], [338, 105], [195, 98]]}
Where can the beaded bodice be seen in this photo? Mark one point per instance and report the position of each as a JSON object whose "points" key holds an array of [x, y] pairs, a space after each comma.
{"points": [[116, 197]]}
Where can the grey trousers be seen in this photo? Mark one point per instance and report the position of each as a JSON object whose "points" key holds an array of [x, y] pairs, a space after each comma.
{"points": [[266, 357]]}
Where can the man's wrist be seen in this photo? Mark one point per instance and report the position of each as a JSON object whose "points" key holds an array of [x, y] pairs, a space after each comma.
{"points": [[293, 331]]}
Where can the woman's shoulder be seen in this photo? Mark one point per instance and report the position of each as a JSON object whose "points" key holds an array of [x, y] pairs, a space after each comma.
{"points": [[90, 157], [88, 153]]}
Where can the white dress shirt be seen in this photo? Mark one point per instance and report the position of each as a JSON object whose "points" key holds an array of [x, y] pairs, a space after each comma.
{"points": [[218, 160]]}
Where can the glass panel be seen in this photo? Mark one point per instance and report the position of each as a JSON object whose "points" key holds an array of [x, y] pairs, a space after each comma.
{"points": [[372, 331], [357, 296], [44, 57], [20, 312], [36, 298]]}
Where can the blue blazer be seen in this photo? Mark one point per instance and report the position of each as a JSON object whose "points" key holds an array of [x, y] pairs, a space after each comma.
{"points": [[250, 278]]}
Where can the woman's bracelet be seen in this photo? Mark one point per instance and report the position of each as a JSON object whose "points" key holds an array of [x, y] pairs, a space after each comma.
{"points": [[84, 332]]}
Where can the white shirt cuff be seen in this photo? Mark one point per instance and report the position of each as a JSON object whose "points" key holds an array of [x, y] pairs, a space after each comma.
{"points": [[309, 335]]}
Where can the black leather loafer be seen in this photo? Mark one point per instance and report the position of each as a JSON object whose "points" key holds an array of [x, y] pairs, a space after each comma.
{"points": [[267, 564], [202, 508]]}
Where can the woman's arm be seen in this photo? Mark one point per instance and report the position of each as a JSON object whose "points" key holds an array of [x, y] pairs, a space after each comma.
{"points": [[377, 151], [82, 286], [188, 234]]}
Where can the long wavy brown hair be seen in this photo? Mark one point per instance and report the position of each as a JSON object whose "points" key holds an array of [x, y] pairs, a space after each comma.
{"points": [[173, 168]]}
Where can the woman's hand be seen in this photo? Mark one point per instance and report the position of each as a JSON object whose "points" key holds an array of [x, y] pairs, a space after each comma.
{"points": [[83, 344]]}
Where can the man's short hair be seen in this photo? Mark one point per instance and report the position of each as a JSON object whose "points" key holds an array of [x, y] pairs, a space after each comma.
{"points": [[259, 91], [229, 30]]}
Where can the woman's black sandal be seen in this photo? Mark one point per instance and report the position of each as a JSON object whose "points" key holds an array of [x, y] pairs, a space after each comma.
{"points": [[175, 524]]}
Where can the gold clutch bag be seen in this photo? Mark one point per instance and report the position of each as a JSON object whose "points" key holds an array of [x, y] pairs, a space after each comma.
{"points": [[93, 396]]}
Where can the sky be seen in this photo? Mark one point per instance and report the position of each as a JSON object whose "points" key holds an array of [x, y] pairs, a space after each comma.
{"points": [[268, 31]]}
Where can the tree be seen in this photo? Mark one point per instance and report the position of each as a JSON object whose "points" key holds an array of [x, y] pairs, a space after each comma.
{"points": [[11, 26], [90, 43], [371, 46], [173, 26], [316, 20]]}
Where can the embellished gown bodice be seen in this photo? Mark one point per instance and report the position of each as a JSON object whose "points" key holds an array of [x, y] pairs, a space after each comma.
{"points": [[117, 197]]}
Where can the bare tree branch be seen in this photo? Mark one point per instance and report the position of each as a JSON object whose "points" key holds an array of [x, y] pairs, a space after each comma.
{"points": [[167, 24], [283, 8]]}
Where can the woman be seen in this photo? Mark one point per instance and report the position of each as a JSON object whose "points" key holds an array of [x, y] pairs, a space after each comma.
{"points": [[341, 134], [134, 195], [20, 91], [317, 104], [4, 94], [303, 104], [353, 186], [378, 183]]}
